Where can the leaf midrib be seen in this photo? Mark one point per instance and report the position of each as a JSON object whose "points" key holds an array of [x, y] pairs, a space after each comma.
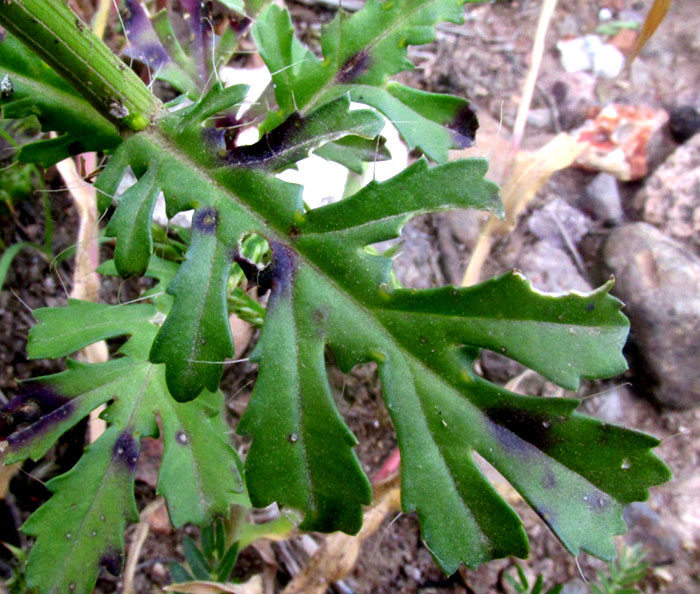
{"points": [[162, 143]]}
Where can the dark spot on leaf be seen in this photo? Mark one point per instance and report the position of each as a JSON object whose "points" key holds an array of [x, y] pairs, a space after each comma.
{"points": [[464, 127], [319, 315], [181, 438], [596, 501], [72, 586], [422, 340], [205, 220], [292, 438], [112, 561], [294, 232], [270, 145], [549, 481], [534, 428], [590, 307], [354, 67], [215, 139], [126, 451]]}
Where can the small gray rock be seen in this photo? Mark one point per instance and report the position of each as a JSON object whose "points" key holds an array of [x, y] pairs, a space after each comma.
{"points": [[558, 221], [659, 281], [645, 526], [670, 198], [575, 586], [549, 268], [601, 199]]}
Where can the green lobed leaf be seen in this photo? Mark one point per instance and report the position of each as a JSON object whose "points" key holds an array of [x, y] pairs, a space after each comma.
{"points": [[36, 90], [292, 140], [199, 474], [132, 222], [81, 528], [62, 331], [432, 122], [353, 152], [196, 337], [296, 429], [327, 290], [359, 53]]}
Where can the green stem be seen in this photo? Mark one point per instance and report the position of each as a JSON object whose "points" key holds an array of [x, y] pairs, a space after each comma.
{"points": [[68, 45]]}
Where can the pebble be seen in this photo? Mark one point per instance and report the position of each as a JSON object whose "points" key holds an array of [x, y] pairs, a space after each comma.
{"points": [[670, 199], [684, 122], [601, 199], [550, 269], [591, 54], [659, 282], [645, 526], [558, 222]]}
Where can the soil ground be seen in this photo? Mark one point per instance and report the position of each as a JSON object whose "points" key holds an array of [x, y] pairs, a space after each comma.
{"points": [[486, 61]]}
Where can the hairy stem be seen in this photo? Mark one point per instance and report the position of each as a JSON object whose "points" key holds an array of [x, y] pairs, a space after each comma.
{"points": [[68, 45]]}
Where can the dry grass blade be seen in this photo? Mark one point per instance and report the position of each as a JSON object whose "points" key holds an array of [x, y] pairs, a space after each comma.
{"points": [[529, 174], [6, 474], [656, 15], [546, 13], [336, 557], [86, 282], [137, 544], [253, 586]]}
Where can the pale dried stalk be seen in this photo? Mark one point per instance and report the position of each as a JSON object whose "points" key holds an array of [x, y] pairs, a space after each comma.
{"points": [[253, 586], [337, 556], [486, 239], [86, 281], [656, 15], [140, 535], [530, 172], [548, 7], [101, 17]]}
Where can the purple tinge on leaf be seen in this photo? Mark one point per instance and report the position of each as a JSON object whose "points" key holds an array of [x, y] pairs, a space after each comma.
{"points": [[200, 24], [112, 560], [354, 67], [269, 146], [464, 127], [277, 276], [144, 44], [126, 451], [31, 413]]}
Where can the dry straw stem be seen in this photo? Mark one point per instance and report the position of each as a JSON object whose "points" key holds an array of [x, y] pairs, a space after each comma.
{"points": [[337, 556], [137, 544], [101, 17], [253, 586], [86, 282], [546, 13], [656, 15], [522, 168]]}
